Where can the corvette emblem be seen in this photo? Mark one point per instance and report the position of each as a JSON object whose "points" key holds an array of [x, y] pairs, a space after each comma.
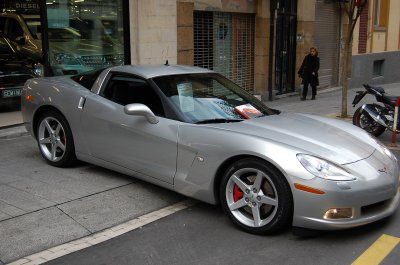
{"points": [[383, 170]]}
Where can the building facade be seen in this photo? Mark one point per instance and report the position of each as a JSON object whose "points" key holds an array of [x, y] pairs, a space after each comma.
{"points": [[376, 44], [259, 44]]}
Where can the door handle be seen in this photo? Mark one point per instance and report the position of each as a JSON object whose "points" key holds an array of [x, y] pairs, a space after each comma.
{"points": [[81, 103]]}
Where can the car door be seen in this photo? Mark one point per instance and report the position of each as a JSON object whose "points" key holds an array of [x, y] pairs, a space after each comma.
{"points": [[130, 141]]}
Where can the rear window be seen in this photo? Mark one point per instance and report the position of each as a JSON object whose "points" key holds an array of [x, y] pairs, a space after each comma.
{"points": [[87, 79]]}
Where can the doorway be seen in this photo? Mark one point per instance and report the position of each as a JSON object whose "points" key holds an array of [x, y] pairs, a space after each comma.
{"points": [[285, 46]]}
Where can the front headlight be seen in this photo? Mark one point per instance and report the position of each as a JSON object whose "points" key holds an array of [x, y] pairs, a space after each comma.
{"points": [[324, 169]]}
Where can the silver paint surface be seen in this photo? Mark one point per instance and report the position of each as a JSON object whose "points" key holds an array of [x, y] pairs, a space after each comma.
{"points": [[167, 153]]}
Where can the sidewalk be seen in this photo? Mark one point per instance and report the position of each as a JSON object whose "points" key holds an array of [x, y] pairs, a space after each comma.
{"points": [[10, 118], [327, 103], [42, 206]]}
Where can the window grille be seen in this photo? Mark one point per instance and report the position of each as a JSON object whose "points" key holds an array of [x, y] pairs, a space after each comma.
{"points": [[224, 42]]}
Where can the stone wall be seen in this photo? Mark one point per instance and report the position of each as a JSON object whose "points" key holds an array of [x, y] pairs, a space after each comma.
{"points": [[363, 65], [153, 32], [261, 59], [185, 36]]}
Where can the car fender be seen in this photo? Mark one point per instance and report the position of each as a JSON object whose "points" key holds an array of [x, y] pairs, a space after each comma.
{"points": [[203, 149], [61, 93]]}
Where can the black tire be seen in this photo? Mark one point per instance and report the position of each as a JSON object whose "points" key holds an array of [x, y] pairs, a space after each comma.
{"points": [[69, 158], [284, 212], [376, 129]]}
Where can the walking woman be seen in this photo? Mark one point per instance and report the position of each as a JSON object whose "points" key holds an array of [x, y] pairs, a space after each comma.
{"points": [[309, 73]]}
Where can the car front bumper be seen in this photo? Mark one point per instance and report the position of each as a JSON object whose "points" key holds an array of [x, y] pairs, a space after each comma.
{"points": [[373, 196], [382, 210]]}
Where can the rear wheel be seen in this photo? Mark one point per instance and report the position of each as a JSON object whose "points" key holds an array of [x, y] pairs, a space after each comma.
{"points": [[55, 140], [256, 197], [362, 119]]}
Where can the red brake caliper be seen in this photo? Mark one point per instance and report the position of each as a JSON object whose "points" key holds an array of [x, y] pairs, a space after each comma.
{"points": [[237, 193]]}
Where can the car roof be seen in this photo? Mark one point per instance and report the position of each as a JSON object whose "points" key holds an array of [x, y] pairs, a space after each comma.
{"points": [[150, 71]]}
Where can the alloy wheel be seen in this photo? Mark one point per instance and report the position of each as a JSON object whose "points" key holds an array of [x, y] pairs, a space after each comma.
{"points": [[251, 197], [52, 139]]}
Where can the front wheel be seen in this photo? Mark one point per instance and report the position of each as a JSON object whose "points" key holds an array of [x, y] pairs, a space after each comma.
{"points": [[256, 197], [362, 119]]}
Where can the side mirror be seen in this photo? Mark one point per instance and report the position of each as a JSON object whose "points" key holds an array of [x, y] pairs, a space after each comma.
{"points": [[20, 40], [138, 109]]}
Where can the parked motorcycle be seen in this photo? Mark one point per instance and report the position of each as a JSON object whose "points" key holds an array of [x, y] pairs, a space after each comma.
{"points": [[375, 118]]}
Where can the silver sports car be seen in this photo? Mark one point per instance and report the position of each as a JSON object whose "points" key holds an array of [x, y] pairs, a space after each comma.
{"points": [[195, 132]]}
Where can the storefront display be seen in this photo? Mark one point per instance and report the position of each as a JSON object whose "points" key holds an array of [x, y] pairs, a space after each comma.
{"points": [[84, 35], [58, 37]]}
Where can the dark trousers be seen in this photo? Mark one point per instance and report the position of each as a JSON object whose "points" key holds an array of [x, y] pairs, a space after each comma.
{"points": [[305, 90]]}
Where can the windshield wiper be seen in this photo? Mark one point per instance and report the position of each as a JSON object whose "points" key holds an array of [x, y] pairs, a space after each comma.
{"points": [[220, 120]]}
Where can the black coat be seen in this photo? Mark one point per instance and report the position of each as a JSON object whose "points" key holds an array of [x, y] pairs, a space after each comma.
{"points": [[309, 66]]}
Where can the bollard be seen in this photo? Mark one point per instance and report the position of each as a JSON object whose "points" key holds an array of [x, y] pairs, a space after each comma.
{"points": [[396, 116]]}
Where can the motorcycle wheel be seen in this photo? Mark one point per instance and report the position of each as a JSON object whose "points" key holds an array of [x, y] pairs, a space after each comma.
{"points": [[365, 122]]}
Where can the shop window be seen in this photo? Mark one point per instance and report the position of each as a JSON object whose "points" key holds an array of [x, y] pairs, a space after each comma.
{"points": [[2, 24], [20, 59], [381, 14], [84, 35], [378, 68], [14, 30]]}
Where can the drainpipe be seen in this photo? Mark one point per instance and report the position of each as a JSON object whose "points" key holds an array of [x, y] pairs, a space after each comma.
{"points": [[271, 46]]}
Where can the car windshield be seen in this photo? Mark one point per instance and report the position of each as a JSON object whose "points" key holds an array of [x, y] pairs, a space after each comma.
{"points": [[210, 98], [34, 27]]}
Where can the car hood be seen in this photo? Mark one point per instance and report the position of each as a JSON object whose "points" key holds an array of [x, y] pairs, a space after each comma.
{"points": [[331, 139]]}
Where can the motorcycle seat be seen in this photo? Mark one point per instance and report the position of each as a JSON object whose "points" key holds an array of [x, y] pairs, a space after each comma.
{"points": [[390, 99]]}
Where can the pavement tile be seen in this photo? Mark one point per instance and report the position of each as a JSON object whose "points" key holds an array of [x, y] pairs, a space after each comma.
{"points": [[7, 177], [4, 216], [81, 180], [22, 200], [10, 210], [51, 192], [112, 207], [36, 232], [20, 262]]}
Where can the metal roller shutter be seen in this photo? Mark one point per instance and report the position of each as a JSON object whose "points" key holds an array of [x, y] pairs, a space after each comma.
{"points": [[327, 38], [224, 42]]}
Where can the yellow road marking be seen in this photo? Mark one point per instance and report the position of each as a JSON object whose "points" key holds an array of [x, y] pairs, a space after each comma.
{"points": [[377, 251]]}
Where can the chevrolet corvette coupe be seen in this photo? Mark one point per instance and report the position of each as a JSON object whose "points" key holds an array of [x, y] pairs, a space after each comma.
{"points": [[193, 131]]}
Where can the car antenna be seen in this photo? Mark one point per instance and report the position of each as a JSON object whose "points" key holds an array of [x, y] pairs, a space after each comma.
{"points": [[166, 63]]}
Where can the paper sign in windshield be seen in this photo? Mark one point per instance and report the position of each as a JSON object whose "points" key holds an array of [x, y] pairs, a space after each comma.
{"points": [[186, 100], [247, 111]]}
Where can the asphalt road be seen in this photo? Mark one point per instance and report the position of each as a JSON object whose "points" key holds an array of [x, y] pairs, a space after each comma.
{"points": [[202, 234]]}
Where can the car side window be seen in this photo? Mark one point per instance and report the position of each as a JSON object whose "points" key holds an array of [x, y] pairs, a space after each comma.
{"points": [[5, 49], [2, 24], [14, 29], [127, 89]]}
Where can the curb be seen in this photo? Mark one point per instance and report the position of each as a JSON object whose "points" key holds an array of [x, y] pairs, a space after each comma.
{"points": [[102, 236], [13, 132]]}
